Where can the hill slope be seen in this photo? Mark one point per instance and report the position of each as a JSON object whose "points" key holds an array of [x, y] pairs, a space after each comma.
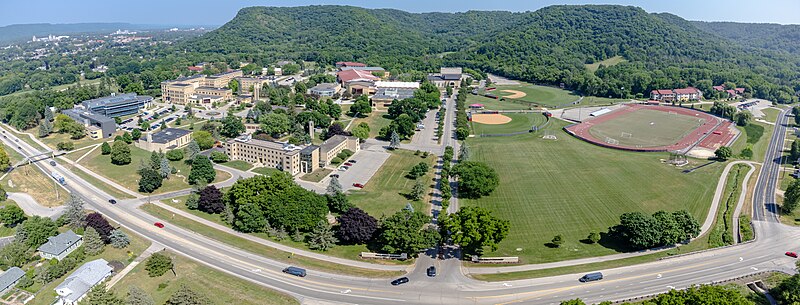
{"points": [[759, 35], [550, 46]]}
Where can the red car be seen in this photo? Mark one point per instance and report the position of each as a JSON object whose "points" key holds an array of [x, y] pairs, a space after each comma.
{"points": [[158, 224], [358, 185], [791, 254], [348, 164]]}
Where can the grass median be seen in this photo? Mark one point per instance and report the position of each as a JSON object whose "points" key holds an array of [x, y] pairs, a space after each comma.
{"points": [[254, 247]]}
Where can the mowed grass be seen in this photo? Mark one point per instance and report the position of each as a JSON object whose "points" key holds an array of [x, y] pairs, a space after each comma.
{"points": [[385, 192], [542, 95], [127, 176], [570, 187], [238, 164], [496, 104], [376, 120], [646, 128], [608, 63], [519, 122], [218, 287]]}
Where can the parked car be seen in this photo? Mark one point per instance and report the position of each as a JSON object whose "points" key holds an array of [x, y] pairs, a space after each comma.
{"points": [[158, 224], [334, 175], [348, 164], [431, 271], [295, 271], [112, 201], [399, 281], [596, 276], [358, 185], [352, 161], [791, 254]]}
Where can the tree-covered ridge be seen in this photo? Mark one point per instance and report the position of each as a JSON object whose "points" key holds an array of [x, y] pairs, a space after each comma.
{"points": [[759, 35]]}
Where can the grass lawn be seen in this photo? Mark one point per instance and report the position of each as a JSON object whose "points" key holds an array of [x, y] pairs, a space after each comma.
{"points": [[376, 120], [542, 95], [270, 252], [126, 175], [608, 63], [519, 122], [493, 104], [99, 184], [54, 138], [29, 179], [570, 187], [385, 192], [599, 101], [770, 114], [219, 287], [238, 164], [266, 171], [126, 255], [722, 232], [760, 146], [317, 175], [646, 128]]}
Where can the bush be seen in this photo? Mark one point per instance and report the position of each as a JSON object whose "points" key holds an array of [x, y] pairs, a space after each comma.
{"points": [[175, 155], [336, 160], [66, 146], [158, 264], [219, 157]]}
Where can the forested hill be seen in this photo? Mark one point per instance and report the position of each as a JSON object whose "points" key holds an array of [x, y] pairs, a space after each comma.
{"points": [[759, 35], [550, 46]]}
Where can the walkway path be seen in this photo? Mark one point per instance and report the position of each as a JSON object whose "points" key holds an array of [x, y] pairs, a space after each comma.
{"points": [[154, 247], [705, 228], [31, 207]]}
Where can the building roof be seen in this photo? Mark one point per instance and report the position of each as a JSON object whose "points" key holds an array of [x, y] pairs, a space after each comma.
{"points": [[739, 90], [719, 88], [349, 64], [309, 149], [325, 87], [384, 84], [168, 135], [731, 92], [393, 93], [333, 141], [445, 70], [363, 68], [352, 75], [213, 89], [115, 100], [662, 91], [57, 244], [73, 113], [84, 278], [268, 144], [11, 276], [687, 90], [192, 68]]}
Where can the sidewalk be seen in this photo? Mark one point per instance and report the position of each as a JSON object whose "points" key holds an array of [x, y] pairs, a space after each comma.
{"points": [[29, 205], [154, 247], [705, 228]]}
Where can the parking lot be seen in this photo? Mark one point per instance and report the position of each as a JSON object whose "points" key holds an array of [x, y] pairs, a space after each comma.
{"points": [[367, 164]]}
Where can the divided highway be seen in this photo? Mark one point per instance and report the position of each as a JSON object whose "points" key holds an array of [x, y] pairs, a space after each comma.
{"points": [[451, 287]]}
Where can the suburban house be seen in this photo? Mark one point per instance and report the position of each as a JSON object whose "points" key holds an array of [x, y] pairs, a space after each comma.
{"points": [[167, 139], [324, 89], [447, 77], [357, 81], [333, 146], [10, 278], [293, 159], [97, 126], [60, 246], [719, 88], [78, 284]]}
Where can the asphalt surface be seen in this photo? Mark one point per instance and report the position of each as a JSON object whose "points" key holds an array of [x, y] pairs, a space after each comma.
{"points": [[764, 202], [450, 286]]}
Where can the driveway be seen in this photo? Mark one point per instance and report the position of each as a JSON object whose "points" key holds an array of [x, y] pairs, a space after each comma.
{"points": [[31, 207]]}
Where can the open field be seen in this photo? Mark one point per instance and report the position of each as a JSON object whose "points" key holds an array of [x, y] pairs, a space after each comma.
{"points": [[771, 114], [385, 192], [127, 176], [542, 95], [646, 128], [376, 120], [29, 179], [608, 63], [219, 287], [519, 122], [270, 252], [99, 184], [54, 138], [552, 187], [266, 171], [493, 104]]}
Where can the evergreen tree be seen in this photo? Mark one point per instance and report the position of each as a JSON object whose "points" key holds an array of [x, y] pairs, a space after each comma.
{"points": [[164, 167], [99, 295], [136, 134], [334, 187], [105, 149], [137, 296], [187, 296], [192, 150], [202, 170], [119, 239], [322, 237], [92, 241], [394, 141], [120, 153], [158, 264], [74, 213]]}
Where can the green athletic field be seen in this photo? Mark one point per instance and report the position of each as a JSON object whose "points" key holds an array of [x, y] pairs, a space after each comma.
{"points": [[542, 95], [571, 187], [519, 122], [646, 128], [493, 104]]}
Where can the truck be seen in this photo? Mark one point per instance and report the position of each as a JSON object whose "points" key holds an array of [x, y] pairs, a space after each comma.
{"points": [[58, 178]]}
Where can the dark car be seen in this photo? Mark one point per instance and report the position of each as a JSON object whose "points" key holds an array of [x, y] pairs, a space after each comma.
{"points": [[334, 175], [158, 224], [295, 271], [348, 164], [596, 276], [399, 281], [791, 254], [112, 201], [352, 161], [431, 271], [52, 163]]}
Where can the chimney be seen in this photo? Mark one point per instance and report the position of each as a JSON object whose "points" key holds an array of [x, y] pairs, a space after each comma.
{"points": [[311, 129]]}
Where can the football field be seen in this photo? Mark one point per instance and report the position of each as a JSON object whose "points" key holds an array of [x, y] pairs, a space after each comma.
{"points": [[646, 128]]}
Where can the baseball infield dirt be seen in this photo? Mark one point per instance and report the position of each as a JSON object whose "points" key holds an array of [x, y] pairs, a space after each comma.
{"points": [[490, 119], [515, 94]]}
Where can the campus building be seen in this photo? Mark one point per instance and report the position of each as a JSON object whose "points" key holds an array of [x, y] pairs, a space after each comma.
{"points": [[199, 88], [77, 285], [447, 77], [324, 90], [386, 92], [222, 79], [293, 159], [357, 81], [118, 105], [333, 146], [167, 139], [683, 94], [97, 126]]}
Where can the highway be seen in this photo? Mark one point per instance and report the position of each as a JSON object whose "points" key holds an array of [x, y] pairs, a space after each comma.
{"points": [[451, 286], [764, 203]]}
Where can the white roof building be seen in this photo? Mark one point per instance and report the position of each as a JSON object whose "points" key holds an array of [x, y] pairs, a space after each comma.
{"points": [[78, 284]]}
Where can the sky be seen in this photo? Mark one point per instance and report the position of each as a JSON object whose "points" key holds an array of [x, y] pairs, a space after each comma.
{"points": [[217, 12]]}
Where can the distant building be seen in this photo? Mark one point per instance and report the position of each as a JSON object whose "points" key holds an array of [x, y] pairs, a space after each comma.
{"points": [[60, 246], [118, 105], [97, 126], [164, 140], [447, 77], [386, 92], [663, 95], [342, 64], [357, 81], [325, 89], [333, 146], [10, 278], [78, 284], [377, 71], [277, 71], [196, 88], [683, 94], [293, 159]]}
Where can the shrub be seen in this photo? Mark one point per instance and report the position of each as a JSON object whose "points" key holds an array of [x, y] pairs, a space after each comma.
{"points": [[67, 146]]}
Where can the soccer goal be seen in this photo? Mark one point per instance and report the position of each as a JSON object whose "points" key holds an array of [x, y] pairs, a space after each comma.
{"points": [[549, 135]]}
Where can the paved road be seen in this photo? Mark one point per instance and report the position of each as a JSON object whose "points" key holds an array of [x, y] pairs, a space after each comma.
{"points": [[765, 206], [29, 205], [450, 287]]}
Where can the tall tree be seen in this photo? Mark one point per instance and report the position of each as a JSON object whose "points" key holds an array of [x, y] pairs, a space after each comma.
{"points": [[149, 180], [791, 197], [322, 237], [136, 134], [475, 179], [99, 223], [119, 239], [356, 226], [158, 264], [137, 296], [475, 228], [202, 170], [11, 215], [99, 295], [232, 126], [35, 230], [74, 213], [5, 161], [120, 153], [334, 187], [211, 200], [418, 190], [405, 232], [192, 150], [394, 140], [92, 241], [187, 296], [105, 149]]}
